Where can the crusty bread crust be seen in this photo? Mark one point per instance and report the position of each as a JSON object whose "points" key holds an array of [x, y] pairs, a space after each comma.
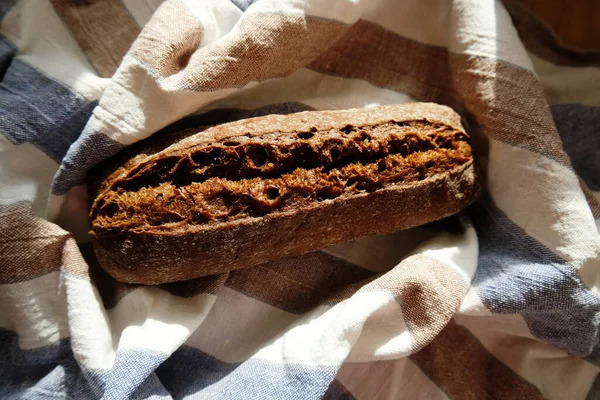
{"points": [[207, 204]]}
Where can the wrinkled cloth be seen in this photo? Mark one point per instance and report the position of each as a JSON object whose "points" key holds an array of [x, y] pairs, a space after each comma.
{"points": [[498, 301]]}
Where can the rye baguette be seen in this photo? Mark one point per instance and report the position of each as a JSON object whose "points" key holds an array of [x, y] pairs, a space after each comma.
{"points": [[239, 194]]}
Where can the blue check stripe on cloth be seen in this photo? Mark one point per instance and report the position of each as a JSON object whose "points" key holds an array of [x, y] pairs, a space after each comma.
{"points": [[535, 282], [579, 128], [241, 380], [37, 109]]}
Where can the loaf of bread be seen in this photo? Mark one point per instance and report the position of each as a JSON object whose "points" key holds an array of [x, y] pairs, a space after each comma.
{"points": [[239, 194]]}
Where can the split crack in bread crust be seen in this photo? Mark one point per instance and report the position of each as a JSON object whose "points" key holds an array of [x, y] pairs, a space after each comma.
{"points": [[239, 194]]}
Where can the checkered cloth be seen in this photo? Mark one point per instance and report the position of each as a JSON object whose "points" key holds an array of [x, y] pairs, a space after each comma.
{"points": [[499, 301]]}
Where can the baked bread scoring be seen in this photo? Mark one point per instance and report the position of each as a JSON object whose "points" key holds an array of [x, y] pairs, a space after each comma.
{"points": [[250, 191]]}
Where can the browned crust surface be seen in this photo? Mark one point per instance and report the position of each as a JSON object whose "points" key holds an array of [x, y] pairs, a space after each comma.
{"points": [[204, 214]]}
